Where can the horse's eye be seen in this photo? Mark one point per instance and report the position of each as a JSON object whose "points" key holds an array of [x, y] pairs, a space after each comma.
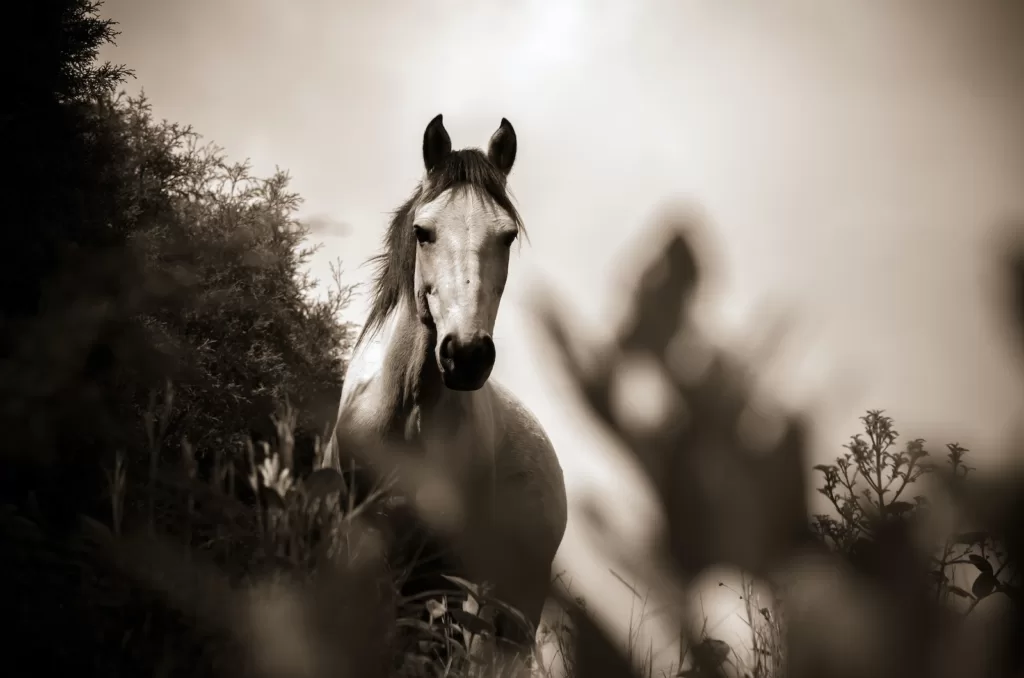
{"points": [[423, 235], [508, 238]]}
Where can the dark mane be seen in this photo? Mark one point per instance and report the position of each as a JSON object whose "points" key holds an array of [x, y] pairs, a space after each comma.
{"points": [[468, 168]]}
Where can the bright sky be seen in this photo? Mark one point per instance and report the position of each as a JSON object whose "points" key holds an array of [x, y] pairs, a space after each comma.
{"points": [[853, 159]]}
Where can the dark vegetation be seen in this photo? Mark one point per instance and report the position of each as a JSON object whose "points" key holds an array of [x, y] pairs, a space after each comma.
{"points": [[165, 381]]}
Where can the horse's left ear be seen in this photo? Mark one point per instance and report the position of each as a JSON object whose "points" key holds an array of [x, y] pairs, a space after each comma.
{"points": [[502, 149]]}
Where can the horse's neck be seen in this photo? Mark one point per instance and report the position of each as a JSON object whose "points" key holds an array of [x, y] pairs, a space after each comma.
{"points": [[385, 385]]}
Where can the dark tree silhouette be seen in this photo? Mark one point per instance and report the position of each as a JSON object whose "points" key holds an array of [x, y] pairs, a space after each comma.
{"points": [[139, 257]]}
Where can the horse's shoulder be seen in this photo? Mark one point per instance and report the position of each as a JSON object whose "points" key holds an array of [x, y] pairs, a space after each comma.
{"points": [[361, 408], [518, 421], [526, 458]]}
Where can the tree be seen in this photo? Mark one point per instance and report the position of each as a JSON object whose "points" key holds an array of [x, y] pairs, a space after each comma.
{"points": [[58, 214], [139, 257]]}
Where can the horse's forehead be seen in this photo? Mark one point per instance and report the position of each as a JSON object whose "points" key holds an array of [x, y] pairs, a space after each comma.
{"points": [[464, 206]]}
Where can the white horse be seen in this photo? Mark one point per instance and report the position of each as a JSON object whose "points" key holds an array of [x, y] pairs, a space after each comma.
{"points": [[420, 370]]}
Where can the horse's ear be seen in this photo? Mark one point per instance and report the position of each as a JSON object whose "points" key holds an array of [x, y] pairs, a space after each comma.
{"points": [[502, 149], [436, 143]]}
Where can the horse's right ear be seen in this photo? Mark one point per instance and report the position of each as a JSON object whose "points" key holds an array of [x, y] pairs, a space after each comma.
{"points": [[436, 143]]}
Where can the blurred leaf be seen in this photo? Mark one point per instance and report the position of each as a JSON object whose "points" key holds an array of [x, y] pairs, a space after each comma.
{"points": [[984, 585], [435, 609], [471, 622], [421, 626], [711, 653], [323, 482], [479, 592], [981, 563], [518, 617], [899, 507], [663, 289]]}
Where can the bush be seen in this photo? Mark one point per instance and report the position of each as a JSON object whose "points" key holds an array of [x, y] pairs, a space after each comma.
{"points": [[144, 257]]}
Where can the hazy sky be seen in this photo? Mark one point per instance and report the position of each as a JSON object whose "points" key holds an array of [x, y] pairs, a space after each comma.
{"points": [[853, 158]]}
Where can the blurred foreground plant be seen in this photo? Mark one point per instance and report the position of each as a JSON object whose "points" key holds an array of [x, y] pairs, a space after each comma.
{"points": [[869, 595]]}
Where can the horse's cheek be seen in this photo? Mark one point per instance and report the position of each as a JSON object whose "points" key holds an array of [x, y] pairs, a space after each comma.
{"points": [[423, 308]]}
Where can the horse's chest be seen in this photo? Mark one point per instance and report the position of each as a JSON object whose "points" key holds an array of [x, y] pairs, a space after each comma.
{"points": [[459, 440]]}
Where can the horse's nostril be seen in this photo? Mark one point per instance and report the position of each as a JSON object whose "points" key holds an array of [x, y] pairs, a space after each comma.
{"points": [[485, 349], [447, 348]]}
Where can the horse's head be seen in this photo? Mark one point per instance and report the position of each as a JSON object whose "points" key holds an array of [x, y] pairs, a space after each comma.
{"points": [[464, 226]]}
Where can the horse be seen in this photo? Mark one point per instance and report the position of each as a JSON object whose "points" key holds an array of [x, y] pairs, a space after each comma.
{"points": [[420, 371]]}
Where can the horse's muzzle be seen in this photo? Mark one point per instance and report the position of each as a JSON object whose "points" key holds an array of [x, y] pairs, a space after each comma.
{"points": [[466, 363]]}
